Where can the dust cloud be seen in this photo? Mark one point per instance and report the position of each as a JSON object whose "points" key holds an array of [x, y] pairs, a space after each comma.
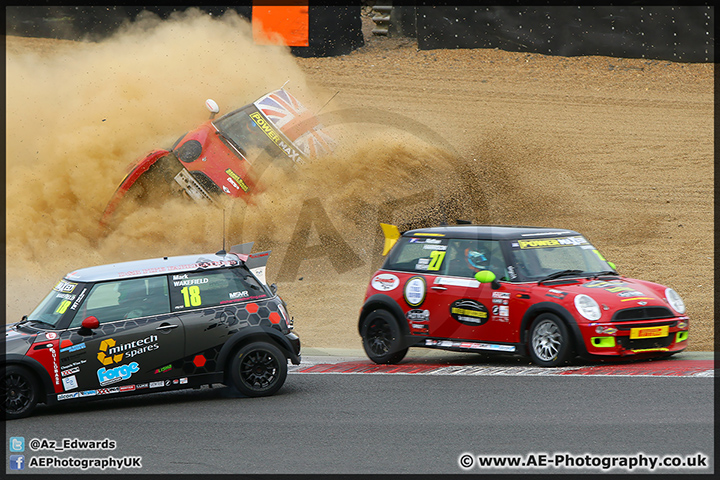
{"points": [[79, 116]]}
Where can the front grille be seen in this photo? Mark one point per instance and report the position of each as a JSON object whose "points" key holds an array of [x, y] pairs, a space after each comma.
{"points": [[642, 343], [642, 313]]}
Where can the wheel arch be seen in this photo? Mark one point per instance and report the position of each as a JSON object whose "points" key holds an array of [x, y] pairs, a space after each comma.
{"points": [[47, 393], [559, 311], [256, 334], [381, 301]]}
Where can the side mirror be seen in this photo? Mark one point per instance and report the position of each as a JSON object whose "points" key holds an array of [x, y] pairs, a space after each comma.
{"points": [[486, 276], [212, 106], [91, 323]]}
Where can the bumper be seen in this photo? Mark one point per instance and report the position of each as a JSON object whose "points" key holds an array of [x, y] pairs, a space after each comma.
{"points": [[646, 339]]}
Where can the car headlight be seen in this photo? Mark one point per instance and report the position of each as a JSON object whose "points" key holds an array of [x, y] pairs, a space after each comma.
{"points": [[674, 300], [587, 307]]}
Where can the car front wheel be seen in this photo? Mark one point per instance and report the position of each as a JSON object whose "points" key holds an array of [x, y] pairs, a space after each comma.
{"points": [[381, 337], [20, 392], [258, 369], [550, 343]]}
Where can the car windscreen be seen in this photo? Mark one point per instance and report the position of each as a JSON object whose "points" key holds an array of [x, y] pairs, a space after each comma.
{"points": [[63, 298], [537, 258], [244, 133]]}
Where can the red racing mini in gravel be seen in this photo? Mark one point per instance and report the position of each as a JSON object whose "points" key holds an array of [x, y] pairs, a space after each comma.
{"points": [[227, 156], [543, 292]]}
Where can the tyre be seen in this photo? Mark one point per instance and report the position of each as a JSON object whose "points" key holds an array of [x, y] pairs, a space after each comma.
{"points": [[381, 337], [258, 369], [19, 391], [550, 342]]}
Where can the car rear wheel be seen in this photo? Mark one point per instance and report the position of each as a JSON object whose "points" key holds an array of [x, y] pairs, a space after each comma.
{"points": [[258, 369], [19, 391], [381, 337], [550, 342]]}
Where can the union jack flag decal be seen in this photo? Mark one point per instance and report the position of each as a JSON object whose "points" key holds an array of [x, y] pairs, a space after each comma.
{"points": [[296, 122]]}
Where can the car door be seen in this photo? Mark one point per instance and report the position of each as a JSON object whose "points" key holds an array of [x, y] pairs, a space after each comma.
{"points": [[461, 307], [138, 339]]}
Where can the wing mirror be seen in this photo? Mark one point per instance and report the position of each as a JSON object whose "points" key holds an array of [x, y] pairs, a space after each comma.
{"points": [[486, 276], [90, 323]]}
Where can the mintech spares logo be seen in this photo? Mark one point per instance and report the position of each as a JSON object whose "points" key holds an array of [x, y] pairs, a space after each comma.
{"points": [[103, 354], [110, 353]]}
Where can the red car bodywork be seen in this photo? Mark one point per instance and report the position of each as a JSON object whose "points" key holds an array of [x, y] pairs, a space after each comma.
{"points": [[437, 308], [226, 156]]}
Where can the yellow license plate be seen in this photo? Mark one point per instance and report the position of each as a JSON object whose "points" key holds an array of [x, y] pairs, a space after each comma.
{"points": [[649, 332]]}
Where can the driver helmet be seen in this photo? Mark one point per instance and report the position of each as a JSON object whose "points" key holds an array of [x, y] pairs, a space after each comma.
{"points": [[478, 258]]}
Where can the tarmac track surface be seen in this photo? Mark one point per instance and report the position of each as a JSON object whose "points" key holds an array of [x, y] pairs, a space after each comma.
{"points": [[326, 420]]}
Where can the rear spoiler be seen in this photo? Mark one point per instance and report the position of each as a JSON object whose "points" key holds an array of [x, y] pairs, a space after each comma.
{"points": [[255, 262], [391, 234]]}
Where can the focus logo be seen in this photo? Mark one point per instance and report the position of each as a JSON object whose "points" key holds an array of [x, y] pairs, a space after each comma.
{"points": [[117, 374]]}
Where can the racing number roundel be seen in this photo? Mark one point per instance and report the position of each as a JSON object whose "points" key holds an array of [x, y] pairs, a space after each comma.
{"points": [[414, 292]]}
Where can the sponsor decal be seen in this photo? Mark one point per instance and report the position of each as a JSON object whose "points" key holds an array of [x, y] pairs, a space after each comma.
{"points": [[80, 297], [237, 179], [65, 287], [127, 388], [469, 345], [175, 381], [414, 291], [88, 393], [166, 368], [140, 386], [157, 384], [469, 312], [107, 391], [70, 371], [226, 189], [65, 396], [183, 381], [117, 374], [111, 353], [71, 347], [239, 294], [434, 247], [419, 321], [501, 295], [552, 242], [275, 137], [552, 293], [500, 319], [51, 335], [457, 282], [501, 310], [385, 282], [69, 383]]}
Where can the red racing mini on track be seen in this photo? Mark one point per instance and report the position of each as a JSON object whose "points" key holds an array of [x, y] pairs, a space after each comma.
{"points": [[543, 292], [226, 156]]}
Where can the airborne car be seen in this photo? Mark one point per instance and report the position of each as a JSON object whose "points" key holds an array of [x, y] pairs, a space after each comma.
{"points": [[150, 326], [545, 293], [227, 155]]}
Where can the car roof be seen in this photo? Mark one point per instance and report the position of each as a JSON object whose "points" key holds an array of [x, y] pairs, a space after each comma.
{"points": [[488, 232], [154, 266]]}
